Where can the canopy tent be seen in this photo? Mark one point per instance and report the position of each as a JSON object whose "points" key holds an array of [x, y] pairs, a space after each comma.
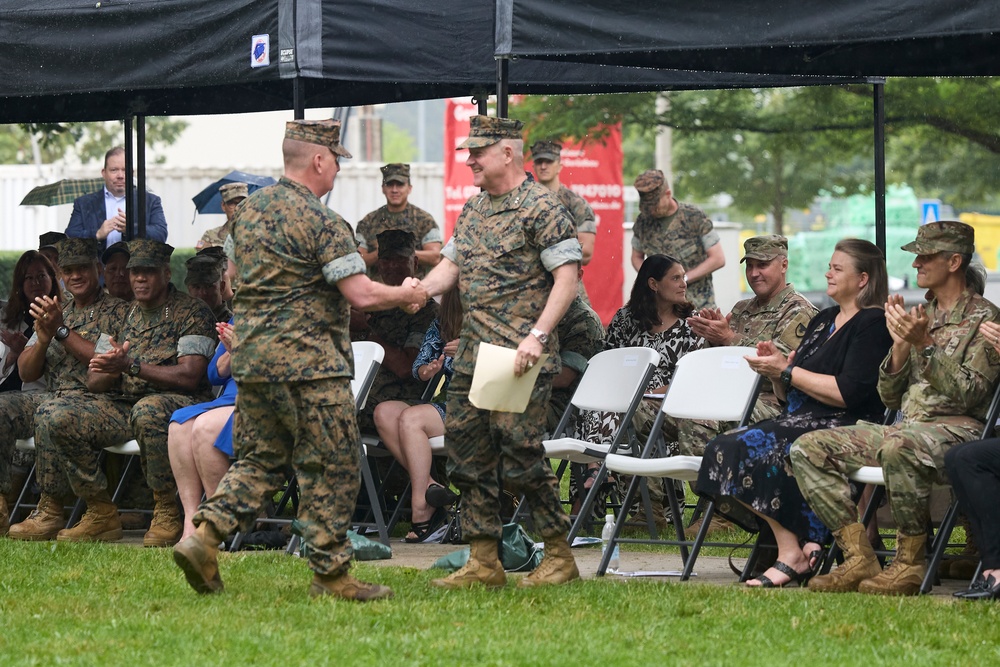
{"points": [[76, 60], [809, 37]]}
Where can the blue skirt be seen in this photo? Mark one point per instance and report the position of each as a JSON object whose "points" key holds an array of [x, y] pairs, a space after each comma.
{"points": [[224, 442]]}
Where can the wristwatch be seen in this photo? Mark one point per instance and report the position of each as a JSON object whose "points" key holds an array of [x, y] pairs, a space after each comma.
{"points": [[927, 352], [786, 378], [542, 337], [62, 333], [134, 367]]}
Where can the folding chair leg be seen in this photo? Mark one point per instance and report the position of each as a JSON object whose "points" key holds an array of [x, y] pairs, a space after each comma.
{"points": [[677, 514], [696, 547], [20, 503], [602, 567], [584, 515], [373, 499], [938, 545]]}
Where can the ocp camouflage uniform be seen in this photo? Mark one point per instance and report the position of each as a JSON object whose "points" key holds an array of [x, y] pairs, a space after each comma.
{"points": [[293, 365], [65, 375], [215, 237], [505, 248], [79, 427], [400, 329], [686, 235], [943, 398], [783, 321], [415, 220]]}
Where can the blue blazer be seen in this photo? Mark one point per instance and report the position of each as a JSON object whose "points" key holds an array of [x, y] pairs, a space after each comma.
{"points": [[89, 212]]}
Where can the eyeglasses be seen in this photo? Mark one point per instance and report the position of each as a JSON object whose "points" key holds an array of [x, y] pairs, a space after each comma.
{"points": [[37, 278]]}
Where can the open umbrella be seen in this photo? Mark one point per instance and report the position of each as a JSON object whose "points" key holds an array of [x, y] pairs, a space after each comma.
{"points": [[209, 201], [65, 191]]}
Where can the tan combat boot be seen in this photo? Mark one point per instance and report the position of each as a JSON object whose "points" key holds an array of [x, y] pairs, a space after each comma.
{"points": [[99, 523], [483, 568], [198, 556], [4, 515], [166, 527], [343, 585], [906, 573], [557, 567], [44, 522], [859, 563]]}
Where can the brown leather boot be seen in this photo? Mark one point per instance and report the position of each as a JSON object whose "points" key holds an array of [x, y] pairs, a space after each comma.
{"points": [[99, 523], [483, 568], [166, 526], [4, 515], [44, 522], [198, 557], [557, 567], [859, 563], [906, 573], [343, 585]]}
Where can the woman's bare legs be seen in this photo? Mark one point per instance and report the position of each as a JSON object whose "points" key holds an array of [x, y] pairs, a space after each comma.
{"points": [[182, 463]]}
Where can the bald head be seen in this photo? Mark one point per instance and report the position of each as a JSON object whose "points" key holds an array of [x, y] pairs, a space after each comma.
{"points": [[312, 165]]}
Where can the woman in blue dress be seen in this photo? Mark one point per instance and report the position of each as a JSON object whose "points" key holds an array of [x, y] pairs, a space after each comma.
{"points": [[406, 429], [829, 381], [200, 437]]}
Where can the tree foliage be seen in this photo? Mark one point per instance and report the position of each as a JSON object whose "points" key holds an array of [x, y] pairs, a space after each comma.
{"points": [[83, 142]]}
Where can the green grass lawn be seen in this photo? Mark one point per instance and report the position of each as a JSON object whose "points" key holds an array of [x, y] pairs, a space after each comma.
{"points": [[120, 605]]}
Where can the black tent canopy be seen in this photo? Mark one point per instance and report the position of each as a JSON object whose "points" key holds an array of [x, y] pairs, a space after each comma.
{"points": [[808, 37]]}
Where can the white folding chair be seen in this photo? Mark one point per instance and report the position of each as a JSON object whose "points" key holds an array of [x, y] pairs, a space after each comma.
{"points": [[715, 383], [873, 475], [614, 381]]}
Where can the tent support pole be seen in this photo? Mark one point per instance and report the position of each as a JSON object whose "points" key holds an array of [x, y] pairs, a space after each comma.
{"points": [[140, 163], [878, 105], [299, 98], [129, 186], [503, 78]]}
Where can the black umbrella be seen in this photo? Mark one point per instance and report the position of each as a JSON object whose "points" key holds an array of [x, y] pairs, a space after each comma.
{"points": [[209, 200]]}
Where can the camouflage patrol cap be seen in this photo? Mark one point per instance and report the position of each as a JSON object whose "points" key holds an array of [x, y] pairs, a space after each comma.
{"points": [[203, 270], [396, 243], [765, 248], [546, 150], [147, 253], [76, 252], [218, 253], [121, 247], [50, 240], [320, 132], [487, 130], [651, 185], [396, 173], [946, 235], [231, 191]]}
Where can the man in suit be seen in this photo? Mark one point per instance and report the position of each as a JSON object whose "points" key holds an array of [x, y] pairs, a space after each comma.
{"points": [[101, 214]]}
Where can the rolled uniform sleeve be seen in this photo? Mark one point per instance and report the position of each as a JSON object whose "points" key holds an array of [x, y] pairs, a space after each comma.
{"points": [[561, 253]]}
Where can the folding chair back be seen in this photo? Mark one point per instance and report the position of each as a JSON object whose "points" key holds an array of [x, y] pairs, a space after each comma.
{"points": [[368, 358], [716, 383], [611, 378]]}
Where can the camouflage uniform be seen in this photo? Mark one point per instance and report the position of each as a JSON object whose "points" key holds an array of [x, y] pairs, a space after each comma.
{"points": [[687, 234], [505, 249], [581, 336], [65, 376], [400, 329], [782, 320], [579, 210], [215, 237], [293, 366], [79, 427], [411, 219], [943, 395]]}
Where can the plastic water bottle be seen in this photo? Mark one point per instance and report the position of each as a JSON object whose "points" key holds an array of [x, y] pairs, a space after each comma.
{"points": [[606, 533]]}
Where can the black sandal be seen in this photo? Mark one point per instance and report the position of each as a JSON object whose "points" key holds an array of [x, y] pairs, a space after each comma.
{"points": [[424, 529], [440, 496], [798, 578], [591, 476]]}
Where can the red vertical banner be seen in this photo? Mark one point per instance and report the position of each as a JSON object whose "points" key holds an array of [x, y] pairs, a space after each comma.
{"points": [[593, 171], [458, 185]]}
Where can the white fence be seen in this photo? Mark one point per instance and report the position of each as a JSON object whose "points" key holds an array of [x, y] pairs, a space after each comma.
{"points": [[356, 192]]}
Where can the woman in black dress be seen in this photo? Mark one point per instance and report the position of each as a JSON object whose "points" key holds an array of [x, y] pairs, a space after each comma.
{"points": [[830, 380]]}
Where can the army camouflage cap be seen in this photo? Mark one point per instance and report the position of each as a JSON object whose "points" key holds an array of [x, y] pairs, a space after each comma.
{"points": [[218, 253], [487, 130], [121, 247], [946, 235], [396, 243], [319, 132], [203, 270], [147, 253], [765, 248], [50, 240], [76, 252], [651, 185], [396, 173], [546, 150], [231, 191]]}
